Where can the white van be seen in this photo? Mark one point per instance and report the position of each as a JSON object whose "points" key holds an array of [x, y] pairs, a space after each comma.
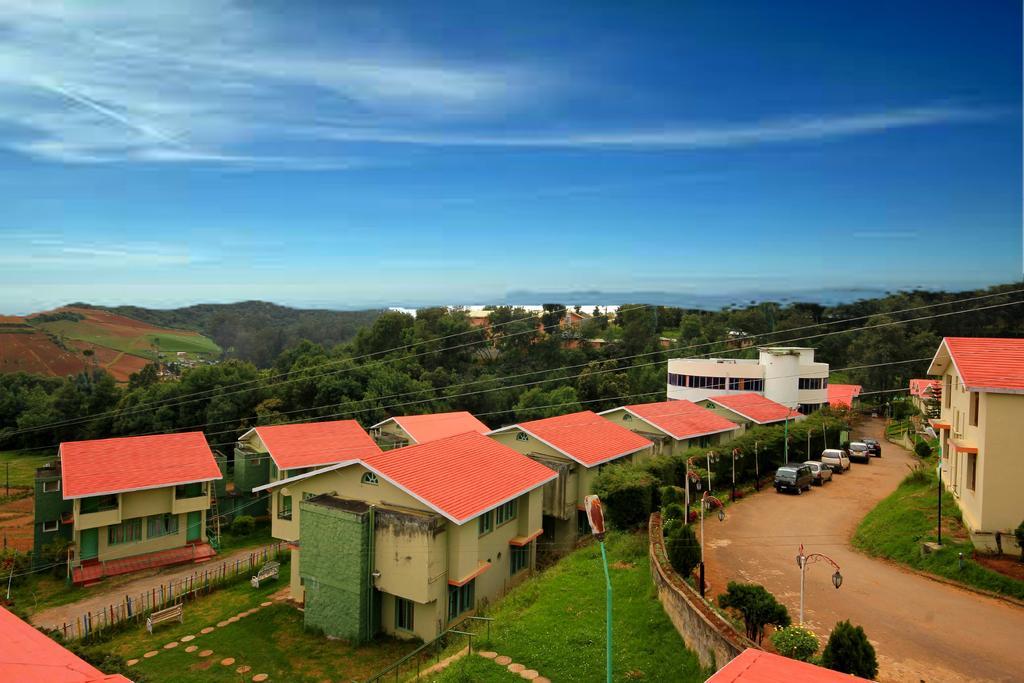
{"points": [[836, 458]]}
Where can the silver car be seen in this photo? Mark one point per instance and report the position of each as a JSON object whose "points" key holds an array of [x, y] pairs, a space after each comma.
{"points": [[836, 459], [822, 473]]}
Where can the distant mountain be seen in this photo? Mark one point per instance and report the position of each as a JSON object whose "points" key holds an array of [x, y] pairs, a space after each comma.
{"points": [[710, 302], [256, 331]]}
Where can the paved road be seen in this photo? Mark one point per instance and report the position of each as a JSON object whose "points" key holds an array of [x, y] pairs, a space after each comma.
{"points": [[922, 630], [112, 591]]}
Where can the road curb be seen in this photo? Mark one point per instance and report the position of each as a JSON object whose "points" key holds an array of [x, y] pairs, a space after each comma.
{"points": [[942, 579]]}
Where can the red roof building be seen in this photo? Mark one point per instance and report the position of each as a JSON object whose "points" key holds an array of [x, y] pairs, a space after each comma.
{"points": [[678, 419], [983, 364], [919, 387], [584, 437], [755, 407], [29, 656], [314, 444], [842, 395], [460, 476], [757, 666], [133, 463], [423, 428]]}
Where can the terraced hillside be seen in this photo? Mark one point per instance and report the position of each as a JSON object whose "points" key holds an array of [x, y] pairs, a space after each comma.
{"points": [[70, 339]]}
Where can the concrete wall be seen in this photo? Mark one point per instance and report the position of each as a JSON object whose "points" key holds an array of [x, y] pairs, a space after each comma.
{"points": [[705, 632], [252, 468]]}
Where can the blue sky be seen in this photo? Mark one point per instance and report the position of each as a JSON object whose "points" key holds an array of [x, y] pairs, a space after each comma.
{"points": [[336, 154]]}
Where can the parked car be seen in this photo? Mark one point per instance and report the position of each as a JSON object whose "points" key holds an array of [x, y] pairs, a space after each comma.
{"points": [[836, 459], [821, 473], [860, 451], [797, 477], [873, 446]]}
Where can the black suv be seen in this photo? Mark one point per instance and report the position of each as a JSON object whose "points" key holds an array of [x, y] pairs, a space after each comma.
{"points": [[797, 478], [874, 447]]}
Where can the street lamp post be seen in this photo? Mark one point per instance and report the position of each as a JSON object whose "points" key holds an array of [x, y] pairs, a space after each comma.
{"points": [[802, 561], [785, 440], [757, 469], [736, 453], [705, 501], [595, 516], [712, 457]]}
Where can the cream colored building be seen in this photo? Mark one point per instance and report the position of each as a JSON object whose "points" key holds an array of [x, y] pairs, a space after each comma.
{"points": [[405, 430], [674, 426], [577, 446], [440, 545], [982, 408], [786, 375], [137, 497]]}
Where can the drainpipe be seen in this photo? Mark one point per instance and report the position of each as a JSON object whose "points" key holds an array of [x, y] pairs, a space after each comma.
{"points": [[370, 568]]}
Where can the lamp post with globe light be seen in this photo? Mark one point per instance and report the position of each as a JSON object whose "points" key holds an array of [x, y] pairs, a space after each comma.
{"points": [[595, 516], [705, 502], [802, 561]]}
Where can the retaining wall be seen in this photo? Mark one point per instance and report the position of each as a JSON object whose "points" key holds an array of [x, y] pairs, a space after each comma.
{"points": [[705, 632]]}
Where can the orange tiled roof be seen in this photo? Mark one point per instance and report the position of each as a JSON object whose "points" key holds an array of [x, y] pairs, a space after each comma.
{"points": [[842, 395], [586, 437], [986, 364], [755, 666], [919, 386], [102, 466], [424, 428], [755, 407], [311, 444], [682, 419]]}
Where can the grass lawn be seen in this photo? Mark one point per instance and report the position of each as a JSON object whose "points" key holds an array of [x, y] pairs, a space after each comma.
{"points": [[271, 641], [899, 524], [473, 669], [22, 467], [555, 622], [43, 590], [142, 345]]}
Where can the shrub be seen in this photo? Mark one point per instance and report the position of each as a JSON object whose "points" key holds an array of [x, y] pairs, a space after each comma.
{"points": [[628, 495], [795, 642], [757, 606], [672, 494], [691, 516], [1019, 534], [674, 511], [683, 549], [918, 475], [849, 651], [922, 449], [55, 553], [243, 525]]}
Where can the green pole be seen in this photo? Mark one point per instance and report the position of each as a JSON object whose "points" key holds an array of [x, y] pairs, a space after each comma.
{"points": [[608, 617]]}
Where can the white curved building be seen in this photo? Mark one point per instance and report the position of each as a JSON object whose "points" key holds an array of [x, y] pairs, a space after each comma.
{"points": [[784, 374]]}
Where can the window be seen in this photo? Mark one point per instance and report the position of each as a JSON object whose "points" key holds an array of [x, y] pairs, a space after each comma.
{"points": [[128, 531], [189, 490], [98, 504], [734, 384], [51, 486], [506, 512], [461, 599], [161, 525], [812, 383], [973, 415], [306, 495], [486, 522], [705, 441], [972, 470], [626, 417], [51, 526], [582, 523], [522, 436], [284, 506], [519, 560], [370, 478], [403, 614]]}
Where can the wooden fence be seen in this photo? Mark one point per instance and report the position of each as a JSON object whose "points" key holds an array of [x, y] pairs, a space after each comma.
{"points": [[136, 608]]}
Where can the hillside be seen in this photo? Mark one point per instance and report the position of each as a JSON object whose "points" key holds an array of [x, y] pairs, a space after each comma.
{"points": [[70, 339], [256, 331]]}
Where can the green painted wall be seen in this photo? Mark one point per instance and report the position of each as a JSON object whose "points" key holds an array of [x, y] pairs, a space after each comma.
{"points": [[335, 569], [252, 469], [49, 507], [220, 486]]}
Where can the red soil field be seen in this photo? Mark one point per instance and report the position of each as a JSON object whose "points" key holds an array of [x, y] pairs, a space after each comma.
{"points": [[16, 522], [120, 365], [34, 352]]}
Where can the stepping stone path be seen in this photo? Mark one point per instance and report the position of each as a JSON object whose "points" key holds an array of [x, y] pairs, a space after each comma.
{"points": [[232, 620], [208, 629], [185, 639], [244, 669], [505, 661], [151, 653], [205, 653], [529, 674], [191, 648], [227, 661], [266, 604], [502, 660], [488, 655], [260, 677], [222, 624], [131, 662], [171, 645]]}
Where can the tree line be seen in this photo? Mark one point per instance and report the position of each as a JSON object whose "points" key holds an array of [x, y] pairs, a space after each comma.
{"points": [[521, 367]]}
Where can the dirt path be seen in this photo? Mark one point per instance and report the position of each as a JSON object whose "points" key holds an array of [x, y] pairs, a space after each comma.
{"points": [[922, 630], [112, 591]]}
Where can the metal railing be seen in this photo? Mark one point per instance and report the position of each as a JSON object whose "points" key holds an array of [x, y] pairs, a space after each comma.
{"points": [[438, 644]]}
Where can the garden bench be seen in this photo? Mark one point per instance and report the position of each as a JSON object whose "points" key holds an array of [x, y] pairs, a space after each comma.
{"points": [[169, 614], [267, 571]]}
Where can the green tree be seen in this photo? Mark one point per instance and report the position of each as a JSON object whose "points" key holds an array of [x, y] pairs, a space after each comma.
{"points": [[757, 606], [535, 403], [849, 651], [683, 549]]}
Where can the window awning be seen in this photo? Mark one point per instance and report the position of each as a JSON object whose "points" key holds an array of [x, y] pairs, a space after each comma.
{"points": [[484, 566], [964, 448], [938, 424], [520, 541]]}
